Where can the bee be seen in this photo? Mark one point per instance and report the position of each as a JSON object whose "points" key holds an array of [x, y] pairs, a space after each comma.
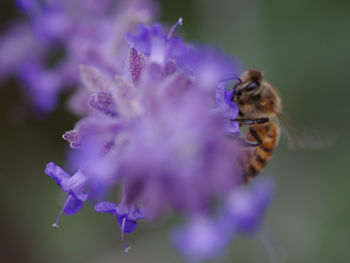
{"points": [[259, 106]]}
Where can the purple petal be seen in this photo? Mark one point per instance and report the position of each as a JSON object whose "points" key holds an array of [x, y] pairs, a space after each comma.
{"points": [[224, 101], [42, 85], [232, 127], [27, 5], [75, 184], [17, 46], [81, 196], [247, 206], [220, 94], [130, 214], [159, 45], [178, 48], [152, 42], [57, 173], [228, 98], [170, 68], [231, 111], [130, 225], [74, 205], [140, 41], [52, 25], [201, 239], [106, 207]]}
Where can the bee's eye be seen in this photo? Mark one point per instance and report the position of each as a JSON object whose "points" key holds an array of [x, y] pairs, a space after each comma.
{"points": [[253, 85]]}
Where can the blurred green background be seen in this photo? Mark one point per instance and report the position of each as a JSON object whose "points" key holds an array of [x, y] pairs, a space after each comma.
{"points": [[303, 48]]}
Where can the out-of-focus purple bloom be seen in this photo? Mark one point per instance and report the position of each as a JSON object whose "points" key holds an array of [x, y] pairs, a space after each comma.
{"points": [[17, 47], [53, 25], [87, 31], [42, 85], [28, 6], [74, 187], [207, 238], [202, 239], [246, 206]]}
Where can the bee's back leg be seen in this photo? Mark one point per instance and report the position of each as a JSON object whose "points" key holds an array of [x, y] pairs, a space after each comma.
{"points": [[245, 142], [245, 121]]}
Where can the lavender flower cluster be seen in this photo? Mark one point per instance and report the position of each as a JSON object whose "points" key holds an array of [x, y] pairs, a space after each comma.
{"points": [[157, 115], [44, 48]]}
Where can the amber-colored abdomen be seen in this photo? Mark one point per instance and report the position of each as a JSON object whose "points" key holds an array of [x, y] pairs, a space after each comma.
{"points": [[256, 158]]}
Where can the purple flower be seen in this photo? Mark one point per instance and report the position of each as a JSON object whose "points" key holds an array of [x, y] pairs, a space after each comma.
{"points": [[246, 206], [152, 42], [52, 25], [27, 5], [42, 85], [17, 47], [160, 180], [153, 131], [74, 187], [227, 106], [88, 32], [126, 215], [202, 239]]}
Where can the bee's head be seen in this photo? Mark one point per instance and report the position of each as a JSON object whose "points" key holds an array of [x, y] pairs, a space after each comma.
{"points": [[251, 83]]}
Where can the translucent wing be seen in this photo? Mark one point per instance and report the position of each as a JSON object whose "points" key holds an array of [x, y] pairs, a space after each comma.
{"points": [[300, 137]]}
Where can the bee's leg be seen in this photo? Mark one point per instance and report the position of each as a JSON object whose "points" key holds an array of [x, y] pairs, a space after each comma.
{"points": [[256, 136], [245, 142], [248, 143], [244, 121]]}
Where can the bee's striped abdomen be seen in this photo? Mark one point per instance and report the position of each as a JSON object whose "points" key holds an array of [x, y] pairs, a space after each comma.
{"points": [[256, 158]]}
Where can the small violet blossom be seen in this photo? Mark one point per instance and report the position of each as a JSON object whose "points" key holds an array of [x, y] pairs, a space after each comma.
{"points": [[126, 216], [74, 187], [154, 43], [225, 104], [202, 238]]}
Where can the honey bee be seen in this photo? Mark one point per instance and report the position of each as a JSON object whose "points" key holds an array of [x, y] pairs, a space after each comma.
{"points": [[259, 106]]}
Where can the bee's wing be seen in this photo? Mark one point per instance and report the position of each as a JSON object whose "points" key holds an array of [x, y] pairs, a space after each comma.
{"points": [[300, 137]]}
